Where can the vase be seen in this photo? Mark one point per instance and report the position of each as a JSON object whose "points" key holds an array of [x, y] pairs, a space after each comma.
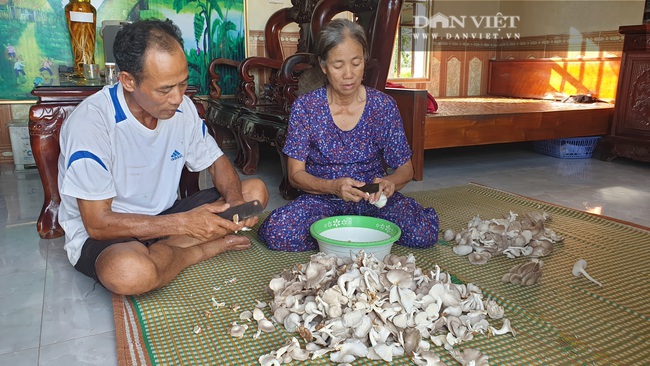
{"points": [[81, 16]]}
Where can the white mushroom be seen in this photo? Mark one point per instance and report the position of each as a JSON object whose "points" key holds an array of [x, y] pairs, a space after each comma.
{"points": [[505, 328], [265, 325], [479, 258], [381, 351], [349, 281], [524, 274], [237, 330], [381, 202], [363, 329], [217, 304], [258, 314], [448, 298], [260, 304], [513, 236], [410, 340], [362, 307], [246, 315], [494, 310], [470, 357], [257, 334], [400, 278], [269, 359], [449, 235], [349, 351], [579, 268], [280, 314], [463, 249], [299, 354], [292, 322], [427, 358]]}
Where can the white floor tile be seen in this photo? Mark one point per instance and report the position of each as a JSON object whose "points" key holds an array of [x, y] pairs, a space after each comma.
{"points": [[27, 357], [74, 305], [93, 350], [21, 308]]}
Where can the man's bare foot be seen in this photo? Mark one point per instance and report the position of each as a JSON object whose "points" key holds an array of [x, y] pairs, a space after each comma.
{"points": [[228, 242], [181, 241]]}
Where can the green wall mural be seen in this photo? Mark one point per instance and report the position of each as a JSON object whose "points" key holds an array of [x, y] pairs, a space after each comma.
{"points": [[35, 38]]}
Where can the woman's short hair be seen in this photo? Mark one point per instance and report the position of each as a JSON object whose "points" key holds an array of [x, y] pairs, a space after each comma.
{"points": [[335, 32]]}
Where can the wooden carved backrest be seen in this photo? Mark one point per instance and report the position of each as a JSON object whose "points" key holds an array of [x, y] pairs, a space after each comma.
{"points": [[379, 18], [300, 13]]}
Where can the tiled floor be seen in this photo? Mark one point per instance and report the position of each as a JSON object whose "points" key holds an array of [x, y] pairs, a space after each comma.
{"points": [[52, 315]]}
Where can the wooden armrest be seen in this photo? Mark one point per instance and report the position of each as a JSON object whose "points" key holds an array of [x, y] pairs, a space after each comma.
{"points": [[248, 97], [215, 89], [297, 62], [256, 62]]}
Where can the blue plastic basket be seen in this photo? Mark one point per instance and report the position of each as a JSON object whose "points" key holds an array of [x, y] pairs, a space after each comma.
{"points": [[570, 148]]}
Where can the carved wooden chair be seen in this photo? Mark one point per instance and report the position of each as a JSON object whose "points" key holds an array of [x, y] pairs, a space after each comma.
{"points": [[379, 18], [223, 111], [267, 123]]}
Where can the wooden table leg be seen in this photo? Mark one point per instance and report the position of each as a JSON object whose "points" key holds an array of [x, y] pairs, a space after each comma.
{"points": [[44, 125]]}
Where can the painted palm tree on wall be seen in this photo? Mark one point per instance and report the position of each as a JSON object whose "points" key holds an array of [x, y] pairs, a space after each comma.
{"points": [[33, 33], [216, 35]]}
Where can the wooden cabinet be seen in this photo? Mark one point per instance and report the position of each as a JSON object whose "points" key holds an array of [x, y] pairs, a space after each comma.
{"points": [[630, 134]]}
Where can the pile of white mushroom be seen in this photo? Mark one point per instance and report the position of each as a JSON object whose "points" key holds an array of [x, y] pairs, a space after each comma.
{"points": [[351, 308], [511, 236]]}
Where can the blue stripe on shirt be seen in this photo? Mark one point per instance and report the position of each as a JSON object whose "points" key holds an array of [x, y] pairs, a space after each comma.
{"points": [[83, 154], [119, 112]]}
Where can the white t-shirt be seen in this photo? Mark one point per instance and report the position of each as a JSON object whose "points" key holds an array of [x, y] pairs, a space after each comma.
{"points": [[106, 153]]}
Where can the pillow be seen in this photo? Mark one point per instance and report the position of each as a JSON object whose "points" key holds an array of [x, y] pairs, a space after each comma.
{"points": [[311, 79]]}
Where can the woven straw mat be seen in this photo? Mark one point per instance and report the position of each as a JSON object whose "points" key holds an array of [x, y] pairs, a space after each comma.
{"points": [[562, 320]]}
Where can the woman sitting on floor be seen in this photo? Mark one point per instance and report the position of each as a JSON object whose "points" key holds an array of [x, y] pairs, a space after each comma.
{"points": [[338, 137]]}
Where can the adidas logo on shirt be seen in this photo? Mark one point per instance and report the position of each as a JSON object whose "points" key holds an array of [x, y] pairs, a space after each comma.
{"points": [[176, 155]]}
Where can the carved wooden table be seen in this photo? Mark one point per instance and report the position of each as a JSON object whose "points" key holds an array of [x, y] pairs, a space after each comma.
{"points": [[54, 104]]}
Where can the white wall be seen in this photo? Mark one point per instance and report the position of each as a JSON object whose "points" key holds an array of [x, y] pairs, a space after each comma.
{"points": [[549, 17], [259, 12], [564, 17]]}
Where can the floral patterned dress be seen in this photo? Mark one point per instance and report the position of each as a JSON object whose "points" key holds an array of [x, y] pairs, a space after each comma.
{"points": [[360, 153]]}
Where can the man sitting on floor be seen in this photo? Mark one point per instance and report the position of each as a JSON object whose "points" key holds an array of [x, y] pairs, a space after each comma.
{"points": [[122, 153]]}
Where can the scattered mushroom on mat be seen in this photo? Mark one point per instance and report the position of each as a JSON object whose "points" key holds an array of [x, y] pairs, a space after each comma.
{"points": [[579, 269], [525, 274], [511, 236], [350, 308]]}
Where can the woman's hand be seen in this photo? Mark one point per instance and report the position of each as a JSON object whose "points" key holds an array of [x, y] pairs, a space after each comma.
{"points": [[345, 189], [385, 186]]}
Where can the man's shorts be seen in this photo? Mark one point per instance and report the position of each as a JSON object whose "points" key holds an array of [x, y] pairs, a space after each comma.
{"points": [[93, 248]]}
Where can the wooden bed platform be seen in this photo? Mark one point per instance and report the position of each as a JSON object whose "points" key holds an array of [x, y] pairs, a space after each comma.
{"points": [[497, 119]]}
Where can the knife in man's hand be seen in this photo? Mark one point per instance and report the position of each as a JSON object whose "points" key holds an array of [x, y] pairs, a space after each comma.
{"points": [[243, 211]]}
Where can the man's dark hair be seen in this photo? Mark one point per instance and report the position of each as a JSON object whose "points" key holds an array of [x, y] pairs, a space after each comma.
{"points": [[134, 39]]}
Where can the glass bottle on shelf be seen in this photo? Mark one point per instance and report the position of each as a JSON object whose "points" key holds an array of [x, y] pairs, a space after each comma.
{"points": [[81, 16]]}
